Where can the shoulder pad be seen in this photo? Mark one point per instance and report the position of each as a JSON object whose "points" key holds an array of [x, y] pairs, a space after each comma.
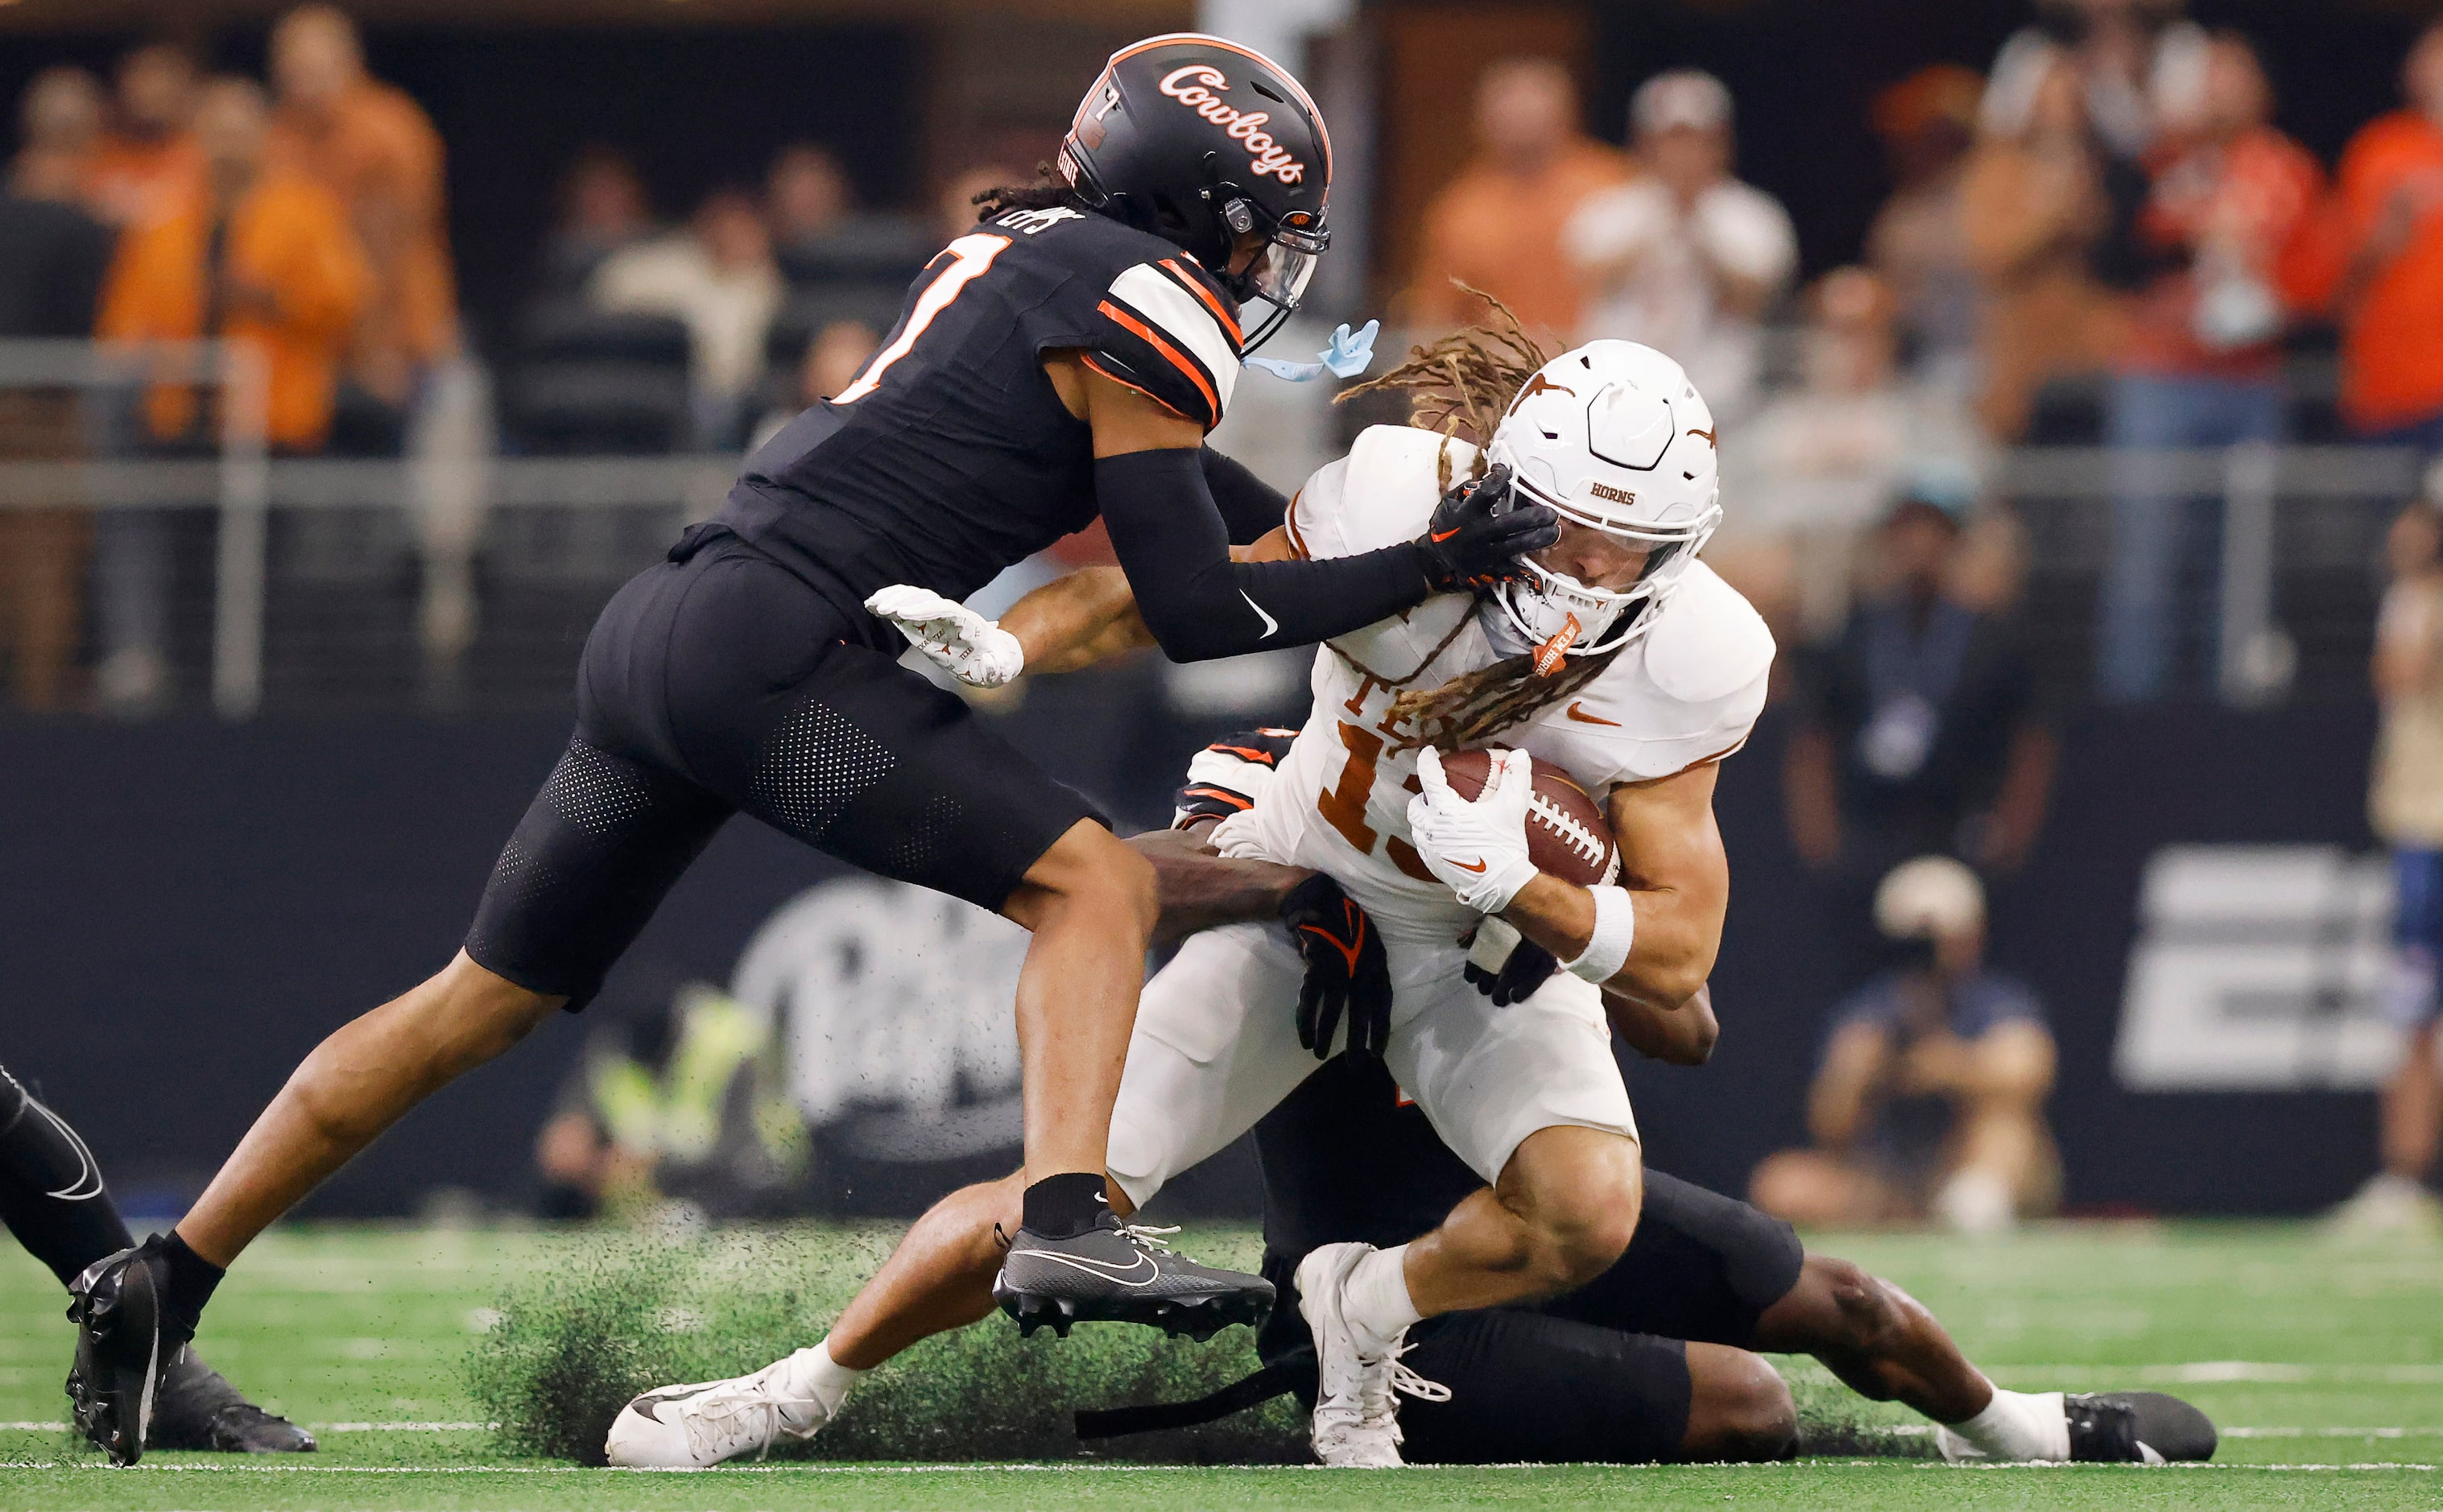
{"points": [[1384, 492], [1709, 643], [1166, 331]]}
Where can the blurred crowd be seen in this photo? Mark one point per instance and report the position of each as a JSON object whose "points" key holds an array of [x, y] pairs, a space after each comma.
{"points": [[2103, 238], [303, 216]]}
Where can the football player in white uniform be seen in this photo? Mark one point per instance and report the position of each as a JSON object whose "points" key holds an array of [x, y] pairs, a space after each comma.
{"points": [[1618, 656]]}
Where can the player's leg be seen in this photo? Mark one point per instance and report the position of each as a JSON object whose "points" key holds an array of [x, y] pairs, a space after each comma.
{"points": [[609, 833], [834, 743], [53, 1199], [1173, 1110], [1887, 1346], [1211, 1053], [1090, 905], [1561, 1213], [1882, 1343], [51, 1193], [1536, 1389], [1530, 1096], [357, 1083]]}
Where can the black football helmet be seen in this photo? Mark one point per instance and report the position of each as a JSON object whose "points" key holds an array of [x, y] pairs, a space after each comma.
{"points": [[1201, 142]]}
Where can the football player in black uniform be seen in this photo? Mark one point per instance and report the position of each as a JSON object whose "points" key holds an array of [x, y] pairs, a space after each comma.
{"points": [[1066, 358], [53, 1199]]}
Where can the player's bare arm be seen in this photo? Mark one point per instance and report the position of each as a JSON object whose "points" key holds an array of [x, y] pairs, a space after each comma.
{"points": [[1201, 888], [1680, 1036], [1075, 621], [1090, 615], [1678, 883]]}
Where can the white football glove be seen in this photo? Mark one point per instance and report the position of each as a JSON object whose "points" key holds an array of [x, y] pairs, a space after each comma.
{"points": [[955, 638], [1478, 850]]}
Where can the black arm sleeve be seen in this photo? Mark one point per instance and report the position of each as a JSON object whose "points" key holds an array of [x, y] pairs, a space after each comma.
{"points": [[1250, 506], [1168, 536]]}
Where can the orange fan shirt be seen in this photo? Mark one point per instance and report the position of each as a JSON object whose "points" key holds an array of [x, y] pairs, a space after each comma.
{"points": [[287, 236], [1502, 232], [2392, 342], [136, 181], [378, 152]]}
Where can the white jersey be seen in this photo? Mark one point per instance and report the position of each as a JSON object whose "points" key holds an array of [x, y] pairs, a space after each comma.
{"points": [[1686, 692]]}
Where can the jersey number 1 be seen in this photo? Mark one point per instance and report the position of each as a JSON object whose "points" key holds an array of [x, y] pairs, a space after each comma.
{"points": [[969, 256]]}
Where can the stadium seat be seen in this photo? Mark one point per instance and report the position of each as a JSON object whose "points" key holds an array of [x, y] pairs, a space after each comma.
{"points": [[588, 380], [869, 250]]}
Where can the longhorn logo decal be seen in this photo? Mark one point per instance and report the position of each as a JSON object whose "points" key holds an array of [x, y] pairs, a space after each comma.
{"points": [[1539, 384]]}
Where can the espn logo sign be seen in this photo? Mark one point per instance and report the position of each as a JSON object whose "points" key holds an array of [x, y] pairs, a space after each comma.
{"points": [[2258, 968]]}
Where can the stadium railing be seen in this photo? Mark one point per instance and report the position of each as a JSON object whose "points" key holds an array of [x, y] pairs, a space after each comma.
{"points": [[466, 579]]}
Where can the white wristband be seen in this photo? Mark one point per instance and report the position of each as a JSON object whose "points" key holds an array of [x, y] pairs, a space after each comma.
{"points": [[1607, 951]]}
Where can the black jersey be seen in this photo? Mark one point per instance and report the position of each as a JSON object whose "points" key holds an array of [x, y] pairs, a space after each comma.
{"points": [[950, 456]]}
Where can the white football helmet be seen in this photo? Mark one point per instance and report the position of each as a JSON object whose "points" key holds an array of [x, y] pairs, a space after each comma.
{"points": [[1611, 435]]}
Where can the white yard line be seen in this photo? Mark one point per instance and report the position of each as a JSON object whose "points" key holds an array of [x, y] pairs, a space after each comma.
{"points": [[2224, 1371], [2331, 1432], [1766, 1469], [402, 1428]]}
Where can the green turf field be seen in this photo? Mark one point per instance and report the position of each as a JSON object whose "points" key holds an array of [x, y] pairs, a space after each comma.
{"points": [[436, 1365]]}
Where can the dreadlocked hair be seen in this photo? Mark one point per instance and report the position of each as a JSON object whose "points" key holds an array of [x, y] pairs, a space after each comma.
{"points": [[1049, 191], [1462, 386], [1475, 706]]}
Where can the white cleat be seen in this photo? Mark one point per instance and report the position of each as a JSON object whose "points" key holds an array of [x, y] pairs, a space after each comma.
{"points": [[695, 1428], [1356, 1421]]}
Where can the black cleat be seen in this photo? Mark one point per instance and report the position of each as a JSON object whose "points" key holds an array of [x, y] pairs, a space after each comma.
{"points": [[120, 1338], [2136, 1427], [197, 1409], [1120, 1274]]}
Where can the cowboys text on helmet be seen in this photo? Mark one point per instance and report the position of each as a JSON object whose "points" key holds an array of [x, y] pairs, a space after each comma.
{"points": [[1193, 86], [1207, 143]]}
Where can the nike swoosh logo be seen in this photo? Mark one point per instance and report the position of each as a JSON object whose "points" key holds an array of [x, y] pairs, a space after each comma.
{"points": [[87, 1184], [1464, 867], [1270, 625], [645, 1405], [1136, 1275], [1445, 535], [1578, 711]]}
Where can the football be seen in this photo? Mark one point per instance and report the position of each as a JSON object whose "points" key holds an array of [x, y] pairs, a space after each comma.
{"points": [[1567, 833]]}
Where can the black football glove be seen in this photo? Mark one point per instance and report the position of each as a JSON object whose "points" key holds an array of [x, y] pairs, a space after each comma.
{"points": [[1346, 972], [1517, 974], [1479, 531]]}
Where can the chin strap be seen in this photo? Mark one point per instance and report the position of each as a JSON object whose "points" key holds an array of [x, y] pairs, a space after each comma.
{"points": [[1292, 1373]]}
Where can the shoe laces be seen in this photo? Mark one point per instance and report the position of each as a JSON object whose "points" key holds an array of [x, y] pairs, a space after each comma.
{"points": [[1149, 1237], [714, 1416], [1384, 1382]]}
